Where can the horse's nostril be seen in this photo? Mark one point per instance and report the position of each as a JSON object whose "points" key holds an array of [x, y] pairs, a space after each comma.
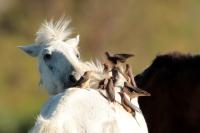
{"points": [[47, 57], [72, 78]]}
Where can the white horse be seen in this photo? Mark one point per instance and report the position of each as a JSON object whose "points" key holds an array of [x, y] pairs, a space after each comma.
{"points": [[75, 110]]}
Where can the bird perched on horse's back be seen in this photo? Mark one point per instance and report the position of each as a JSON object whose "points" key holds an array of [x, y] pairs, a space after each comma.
{"points": [[110, 90], [84, 81], [133, 91]]}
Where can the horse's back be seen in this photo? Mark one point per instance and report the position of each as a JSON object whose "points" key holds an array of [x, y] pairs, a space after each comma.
{"points": [[83, 110]]}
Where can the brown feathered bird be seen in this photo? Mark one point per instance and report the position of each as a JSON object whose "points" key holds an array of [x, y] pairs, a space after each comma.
{"points": [[103, 83], [129, 75], [115, 58], [133, 91], [110, 90], [107, 68], [131, 108], [115, 71], [84, 81]]}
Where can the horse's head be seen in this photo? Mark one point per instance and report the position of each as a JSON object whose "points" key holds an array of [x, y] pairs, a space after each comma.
{"points": [[57, 54]]}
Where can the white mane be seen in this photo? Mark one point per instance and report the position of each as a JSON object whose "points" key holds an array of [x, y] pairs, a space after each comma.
{"points": [[94, 66], [53, 31]]}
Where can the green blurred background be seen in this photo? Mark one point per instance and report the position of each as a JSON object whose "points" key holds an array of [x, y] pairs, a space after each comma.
{"points": [[145, 28]]}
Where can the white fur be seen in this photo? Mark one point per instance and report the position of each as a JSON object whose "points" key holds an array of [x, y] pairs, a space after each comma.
{"points": [[76, 110], [80, 110]]}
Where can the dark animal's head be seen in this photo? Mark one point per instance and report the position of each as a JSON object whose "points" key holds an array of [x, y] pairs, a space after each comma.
{"points": [[163, 70], [174, 83]]}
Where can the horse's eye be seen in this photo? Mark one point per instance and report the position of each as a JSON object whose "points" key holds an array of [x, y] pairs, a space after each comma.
{"points": [[47, 57], [77, 55]]}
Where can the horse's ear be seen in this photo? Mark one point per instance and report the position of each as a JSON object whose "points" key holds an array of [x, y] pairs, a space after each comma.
{"points": [[73, 41], [32, 50]]}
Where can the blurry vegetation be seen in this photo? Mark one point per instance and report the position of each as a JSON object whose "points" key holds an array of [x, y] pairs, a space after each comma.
{"points": [[145, 28]]}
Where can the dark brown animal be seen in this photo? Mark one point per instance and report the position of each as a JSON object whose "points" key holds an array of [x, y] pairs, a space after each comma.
{"points": [[174, 83]]}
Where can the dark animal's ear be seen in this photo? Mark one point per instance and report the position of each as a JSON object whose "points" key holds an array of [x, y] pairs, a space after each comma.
{"points": [[32, 50]]}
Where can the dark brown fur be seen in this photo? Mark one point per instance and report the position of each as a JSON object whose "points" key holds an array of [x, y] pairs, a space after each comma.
{"points": [[174, 83]]}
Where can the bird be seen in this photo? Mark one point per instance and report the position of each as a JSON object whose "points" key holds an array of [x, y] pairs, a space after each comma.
{"points": [[133, 91], [103, 83], [84, 81], [115, 58], [107, 68], [110, 90], [128, 106], [129, 75], [132, 94], [115, 74]]}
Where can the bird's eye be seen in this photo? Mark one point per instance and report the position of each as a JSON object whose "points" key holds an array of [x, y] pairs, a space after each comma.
{"points": [[47, 57]]}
